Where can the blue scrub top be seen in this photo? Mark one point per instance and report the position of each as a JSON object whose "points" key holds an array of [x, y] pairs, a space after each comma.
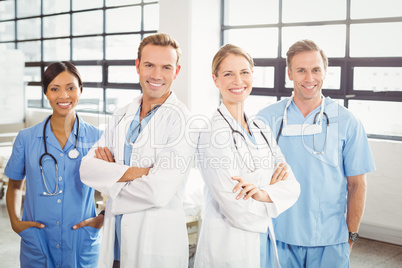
{"points": [[56, 245], [318, 217]]}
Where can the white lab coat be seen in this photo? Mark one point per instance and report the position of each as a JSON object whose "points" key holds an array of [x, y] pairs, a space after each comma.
{"points": [[230, 233], [153, 227]]}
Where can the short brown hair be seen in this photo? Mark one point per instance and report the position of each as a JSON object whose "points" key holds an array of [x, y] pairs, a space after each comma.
{"points": [[57, 68], [224, 51], [304, 46], [160, 39]]}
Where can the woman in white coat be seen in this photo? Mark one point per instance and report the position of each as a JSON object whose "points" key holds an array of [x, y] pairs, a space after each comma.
{"points": [[246, 176]]}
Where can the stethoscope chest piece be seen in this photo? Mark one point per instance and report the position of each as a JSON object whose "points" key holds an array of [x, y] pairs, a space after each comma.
{"points": [[73, 154]]}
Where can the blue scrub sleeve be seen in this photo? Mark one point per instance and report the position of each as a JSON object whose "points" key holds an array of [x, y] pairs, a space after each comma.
{"points": [[15, 168], [357, 155]]}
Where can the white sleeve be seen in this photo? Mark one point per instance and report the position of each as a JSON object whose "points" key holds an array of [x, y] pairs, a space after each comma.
{"points": [[168, 175], [217, 169], [99, 174]]}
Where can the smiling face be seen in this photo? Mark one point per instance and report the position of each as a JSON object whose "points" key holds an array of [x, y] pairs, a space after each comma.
{"points": [[63, 93], [234, 79], [157, 70], [307, 73]]}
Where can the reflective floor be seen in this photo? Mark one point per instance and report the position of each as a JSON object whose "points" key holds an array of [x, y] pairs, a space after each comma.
{"points": [[365, 254]]}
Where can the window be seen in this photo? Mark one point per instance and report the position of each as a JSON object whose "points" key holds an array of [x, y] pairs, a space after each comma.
{"points": [[100, 37], [360, 37]]}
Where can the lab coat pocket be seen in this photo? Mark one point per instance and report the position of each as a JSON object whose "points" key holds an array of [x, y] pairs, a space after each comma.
{"points": [[34, 251], [165, 234], [90, 235], [228, 245]]}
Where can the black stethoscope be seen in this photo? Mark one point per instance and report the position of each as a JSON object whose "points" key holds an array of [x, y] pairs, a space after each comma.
{"points": [[72, 154], [234, 131]]}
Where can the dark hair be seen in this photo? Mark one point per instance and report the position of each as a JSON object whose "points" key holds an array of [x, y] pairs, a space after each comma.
{"points": [[57, 68], [160, 39]]}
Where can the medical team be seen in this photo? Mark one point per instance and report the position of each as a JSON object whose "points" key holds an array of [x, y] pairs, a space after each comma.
{"points": [[277, 186]]}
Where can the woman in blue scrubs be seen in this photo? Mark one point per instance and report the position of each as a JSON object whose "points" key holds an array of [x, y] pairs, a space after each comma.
{"points": [[59, 226]]}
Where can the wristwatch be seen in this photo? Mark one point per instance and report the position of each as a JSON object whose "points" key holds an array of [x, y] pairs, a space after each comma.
{"points": [[353, 236]]}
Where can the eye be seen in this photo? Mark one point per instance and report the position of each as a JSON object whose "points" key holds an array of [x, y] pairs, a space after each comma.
{"points": [[227, 74], [54, 89], [245, 72], [71, 88], [300, 71], [167, 67], [148, 65]]}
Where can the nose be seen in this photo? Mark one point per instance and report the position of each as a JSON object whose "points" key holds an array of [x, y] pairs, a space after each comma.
{"points": [[237, 80], [63, 93], [156, 73], [309, 76]]}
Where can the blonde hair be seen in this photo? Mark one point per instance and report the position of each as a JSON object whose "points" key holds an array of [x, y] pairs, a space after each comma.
{"points": [[304, 46], [224, 51], [160, 39]]}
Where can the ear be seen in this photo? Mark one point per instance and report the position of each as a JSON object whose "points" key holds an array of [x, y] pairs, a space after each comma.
{"points": [[137, 65], [290, 74], [177, 71], [215, 78]]}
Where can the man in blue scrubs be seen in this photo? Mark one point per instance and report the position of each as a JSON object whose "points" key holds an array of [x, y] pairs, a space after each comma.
{"points": [[328, 150]]}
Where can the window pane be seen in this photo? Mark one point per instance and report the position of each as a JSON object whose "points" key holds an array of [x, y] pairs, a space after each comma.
{"points": [[361, 9], [331, 38], [91, 100], [122, 74], [377, 78], [52, 7], [259, 43], [56, 50], [87, 4], [31, 50], [87, 22], [151, 17], [255, 103], [264, 77], [121, 2], [331, 81], [119, 97], [32, 74], [240, 12], [122, 46], [7, 10], [123, 19], [7, 31], [28, 29], [5, 46], [27, 8], [56, 26], [90, 73], [33, 95], [375, 116], [376, 40], [88, 48], [324, 10]]}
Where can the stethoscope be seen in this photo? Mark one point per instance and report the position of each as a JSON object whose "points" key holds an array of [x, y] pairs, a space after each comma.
{"points": [[72, 154], [234, 131], [139, 124], [318, 114]]}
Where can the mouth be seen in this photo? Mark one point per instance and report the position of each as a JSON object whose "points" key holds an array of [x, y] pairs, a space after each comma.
{"points": [[237, 90], [64, 105], [309, 87], [155, 84]]}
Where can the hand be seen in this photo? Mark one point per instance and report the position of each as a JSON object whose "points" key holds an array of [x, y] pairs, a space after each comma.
{"points": [[103, 153], [280, 174], [249, 190], [96, 222], [20, 226]]}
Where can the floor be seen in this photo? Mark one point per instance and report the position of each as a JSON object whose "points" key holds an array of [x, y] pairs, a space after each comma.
{"points": [[365, 254]]}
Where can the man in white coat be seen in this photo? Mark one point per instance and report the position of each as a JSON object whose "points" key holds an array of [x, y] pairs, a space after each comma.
{"points": [[142, 162]]}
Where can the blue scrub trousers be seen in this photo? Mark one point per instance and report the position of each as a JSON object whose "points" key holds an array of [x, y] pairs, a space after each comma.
{"points": [[333, 256]]}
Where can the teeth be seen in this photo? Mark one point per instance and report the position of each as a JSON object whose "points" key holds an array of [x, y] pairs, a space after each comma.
{"points": [[237, 90], [310, 87], [64, 104], [155, 85]]}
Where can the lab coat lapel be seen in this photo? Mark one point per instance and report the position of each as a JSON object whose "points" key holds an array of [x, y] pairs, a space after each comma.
{"points": [[122, 127]]}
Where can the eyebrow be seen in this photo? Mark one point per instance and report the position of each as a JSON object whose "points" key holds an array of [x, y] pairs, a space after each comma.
{"points": [[56, 85]]}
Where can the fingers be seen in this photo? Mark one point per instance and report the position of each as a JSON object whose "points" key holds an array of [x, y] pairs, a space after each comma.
{"points": [[80, 225], [104, 153], [280, 173], [250, 188], [239, 185]]}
